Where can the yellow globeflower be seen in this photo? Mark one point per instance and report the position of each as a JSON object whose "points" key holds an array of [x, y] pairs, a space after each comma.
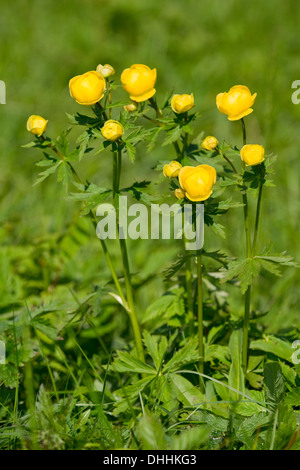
{"points": [[179, 193], [171, 170], [236, 103], [197, 182], [139, 81], [131, 106], [209, 143], [112, 130], [182, 103], [88, 88], [36, 125], [106, 70], [252, 154]]}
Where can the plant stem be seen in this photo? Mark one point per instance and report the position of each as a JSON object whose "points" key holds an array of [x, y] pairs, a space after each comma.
{"points": [[248, 250], [189, 291], [129, 291], [258, 206], [159, 114], [200, 319]]}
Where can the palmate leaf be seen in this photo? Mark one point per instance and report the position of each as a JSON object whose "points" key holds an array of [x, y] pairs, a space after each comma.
{"points": [[247, 269], [186, 355], [156, 346], [45, 174], [125, 362], [164, 308]]}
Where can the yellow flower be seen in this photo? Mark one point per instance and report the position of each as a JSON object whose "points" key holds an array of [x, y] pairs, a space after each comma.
{"points": [[112, 130], [88, 88], [197, 182], [131, 107], [106, 70], [236, 103], [252, 154], [182, 103], [179, 193], [171, 170], [36, 125], [209, 143], [139, 81]]}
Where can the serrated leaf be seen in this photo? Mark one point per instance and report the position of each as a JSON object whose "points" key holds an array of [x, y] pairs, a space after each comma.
{"points": [[274, 385], [125, 362]]}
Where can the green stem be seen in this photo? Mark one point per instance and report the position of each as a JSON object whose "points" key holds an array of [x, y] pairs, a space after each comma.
{"points": [[248, 250], [159, 113], [189, 291], [200, 319], [258, 206], [128, 286]]}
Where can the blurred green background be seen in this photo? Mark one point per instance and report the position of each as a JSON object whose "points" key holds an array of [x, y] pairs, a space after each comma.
{"points": [[204, 47]]}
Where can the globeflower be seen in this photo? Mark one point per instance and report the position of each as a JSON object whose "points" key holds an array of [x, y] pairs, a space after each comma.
{"points": [[36, 125], [172, 169], [87, 89], [112, 130], [106, 70], [182, 103], [209, 143], [252, 154], [179, 193], [139, 81], [236, 103], [197, 182]]}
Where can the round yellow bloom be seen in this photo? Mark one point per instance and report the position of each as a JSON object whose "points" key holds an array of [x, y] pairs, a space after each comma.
{"points": [[182, 103], [236, 103], [179, 193], [139, 81], [36, 125], [197, 182], [106, 70], [252, 154], [131, 107], [171, 170], [209, 143], [88, 88], [112, 130]]}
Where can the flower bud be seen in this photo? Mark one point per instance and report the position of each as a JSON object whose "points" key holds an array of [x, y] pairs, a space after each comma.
{"points": [[87, 89], [106, 70], [131, 107], [236, 103], [139, 81], [252, 154], [182, 103], [36, 125], [209, 143], [171, 170], [179, 193], [197, 182], [112, 130]]}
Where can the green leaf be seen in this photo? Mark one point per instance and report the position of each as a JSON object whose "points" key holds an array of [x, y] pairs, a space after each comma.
{"points": [[185, 391], [45, 174], [125, 362], [173, 135], [191, 439], [274, 385], [8, 375], [272, 344], [131, 151], [236, 377], [151, 433], [156, 346], [185, 355]]}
